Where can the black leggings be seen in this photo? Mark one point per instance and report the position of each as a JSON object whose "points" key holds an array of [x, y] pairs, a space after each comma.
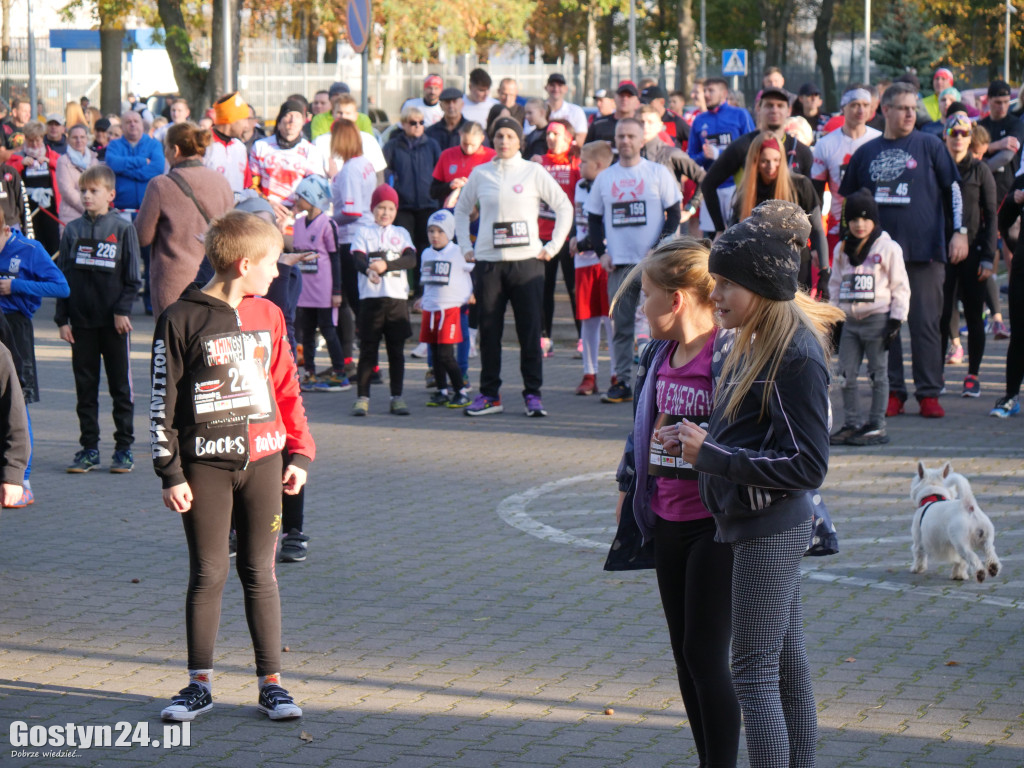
{"points": [[567, 263], [1015, 352], [962, 281], [254, 494], [308, 319], [445, 366], [695, 580], [388, 318]]}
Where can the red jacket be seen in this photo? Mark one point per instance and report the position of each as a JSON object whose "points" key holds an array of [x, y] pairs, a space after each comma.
{"points": [[225, 390]]}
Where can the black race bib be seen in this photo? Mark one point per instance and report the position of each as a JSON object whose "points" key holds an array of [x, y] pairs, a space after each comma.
{"points": [[436, 272], [509, 234], [96, 255], [661, 464], [629, 214], [235, 381], [856, 287]]}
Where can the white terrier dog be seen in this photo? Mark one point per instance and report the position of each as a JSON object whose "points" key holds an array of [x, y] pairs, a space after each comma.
{"points": [[949, 525]]}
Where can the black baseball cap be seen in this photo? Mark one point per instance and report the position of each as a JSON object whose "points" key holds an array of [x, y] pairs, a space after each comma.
{"points": [[652, 92], [809, 89], [999, 88], [775, 93], [557, 77], [450, 94], [627, 87]]}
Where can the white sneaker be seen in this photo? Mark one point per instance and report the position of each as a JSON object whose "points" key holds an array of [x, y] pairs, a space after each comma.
{"points": [[421, 350]]}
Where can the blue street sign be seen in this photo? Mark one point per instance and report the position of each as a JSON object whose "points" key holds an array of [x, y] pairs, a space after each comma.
{"points": [[360, 24], [734, 62]]}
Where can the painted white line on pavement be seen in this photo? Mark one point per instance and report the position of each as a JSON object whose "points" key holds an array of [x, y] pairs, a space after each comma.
{"points": [[514, 509]]}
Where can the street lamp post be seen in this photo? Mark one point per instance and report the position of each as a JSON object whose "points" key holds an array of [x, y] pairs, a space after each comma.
{"points": [[867, 41], [1006, 53]]}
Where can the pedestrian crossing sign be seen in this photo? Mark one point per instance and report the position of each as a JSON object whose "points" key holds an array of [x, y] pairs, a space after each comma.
{"points": [[734, 62]]}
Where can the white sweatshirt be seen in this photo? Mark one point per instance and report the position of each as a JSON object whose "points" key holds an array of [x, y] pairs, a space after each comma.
{"points": [[509, 193]]}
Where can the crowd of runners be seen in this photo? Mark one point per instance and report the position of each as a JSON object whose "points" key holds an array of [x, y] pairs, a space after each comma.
{"points": [[902, 208]]}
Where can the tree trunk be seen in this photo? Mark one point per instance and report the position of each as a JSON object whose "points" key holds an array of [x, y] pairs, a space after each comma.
{"points": [[5, 35], [823, 51], [606, 49], [685, 34], [213, 87], [593, 55], [111, 40], [777, 15]]}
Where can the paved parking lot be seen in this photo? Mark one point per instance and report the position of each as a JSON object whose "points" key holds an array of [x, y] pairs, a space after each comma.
{"points": [[454, 612]]}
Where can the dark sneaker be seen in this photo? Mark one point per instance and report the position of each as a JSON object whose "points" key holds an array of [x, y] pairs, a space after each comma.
{"points": [[190, 701], [459, 401], [84, 461], [843, 435], [335, 382], [438, 400], [1005, 408], [277, 704], [972, 387], [122, 462], [398, 407], [999, 330], [534, 407], [294, 547], [431, 381], [484, 405], [376, 378], [869, 434], [617, 393]]}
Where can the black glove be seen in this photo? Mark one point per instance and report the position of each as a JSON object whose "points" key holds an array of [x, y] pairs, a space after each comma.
{"points": [[892, 331], [824, 275]]}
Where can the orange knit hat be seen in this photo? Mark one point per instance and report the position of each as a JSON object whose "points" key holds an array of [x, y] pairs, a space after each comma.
{"points": [[229, 109]]}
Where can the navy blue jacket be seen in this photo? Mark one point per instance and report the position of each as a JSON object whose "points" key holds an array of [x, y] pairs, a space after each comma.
{"points": [[412, 166], [758, 476]]}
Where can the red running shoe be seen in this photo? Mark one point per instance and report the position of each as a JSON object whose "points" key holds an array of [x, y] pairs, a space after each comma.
{"points": [[895, 407], [931, 409]]}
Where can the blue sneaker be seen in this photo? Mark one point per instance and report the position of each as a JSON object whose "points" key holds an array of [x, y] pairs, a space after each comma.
{"points": [[534, 407], [1005, 408], [122, 462], [84, 460]]}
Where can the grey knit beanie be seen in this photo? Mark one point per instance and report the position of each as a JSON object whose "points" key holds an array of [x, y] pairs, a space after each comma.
{"points": [[762, 252]]}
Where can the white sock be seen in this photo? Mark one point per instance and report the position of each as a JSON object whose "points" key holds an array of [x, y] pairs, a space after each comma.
{"points": [[203, 677]]}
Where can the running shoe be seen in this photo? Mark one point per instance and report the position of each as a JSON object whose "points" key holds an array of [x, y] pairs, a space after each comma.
{"points": [[438, 400], [461, 400], [351, 369], [534, 407], [931, 409], [398, 407], [547, 346], [361, 407], [869, 434], [335, 382], [277, 704], [972, 387], [420, 351], [999, 330], [484, 405], [895, 407], [430, 380], [376, 377], [955, 356], [122, 462], [84, 461], [588, 386], [27, 499], [310, 383], [294, 547], [191, 701], [617, 393], [1005, 408], [843, 435]]}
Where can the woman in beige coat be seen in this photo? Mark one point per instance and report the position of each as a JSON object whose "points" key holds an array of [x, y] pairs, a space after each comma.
{"points": [[69, 168], [176, 208]]}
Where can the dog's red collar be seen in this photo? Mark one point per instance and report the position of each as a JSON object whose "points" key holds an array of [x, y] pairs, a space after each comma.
{"points": [[931, 499]]}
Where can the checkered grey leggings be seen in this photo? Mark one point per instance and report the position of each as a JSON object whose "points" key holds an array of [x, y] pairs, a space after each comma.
{"points": [[769, 659]]}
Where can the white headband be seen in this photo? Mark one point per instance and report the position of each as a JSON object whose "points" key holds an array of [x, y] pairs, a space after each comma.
{"points": [[857, 94]]}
